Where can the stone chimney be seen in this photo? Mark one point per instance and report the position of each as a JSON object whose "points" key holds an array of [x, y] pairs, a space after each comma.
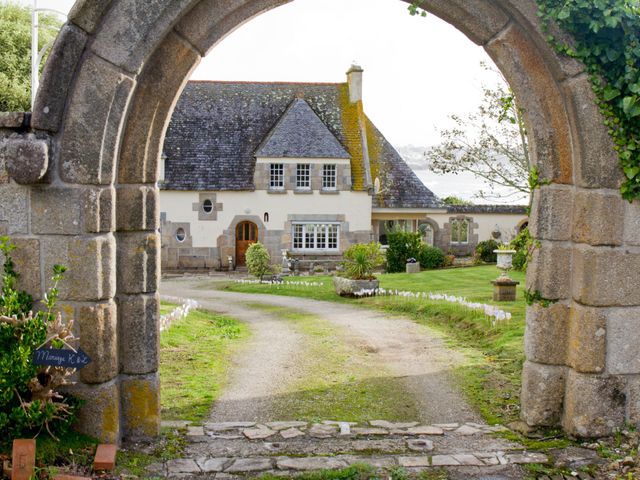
{"points": [[354, 78]]}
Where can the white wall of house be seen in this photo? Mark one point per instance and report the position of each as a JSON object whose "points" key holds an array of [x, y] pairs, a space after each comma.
{"points": [[487, 222], [178, 208]]}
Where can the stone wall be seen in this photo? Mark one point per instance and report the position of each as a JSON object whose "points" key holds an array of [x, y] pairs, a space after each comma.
{"points": [[83, 192]]}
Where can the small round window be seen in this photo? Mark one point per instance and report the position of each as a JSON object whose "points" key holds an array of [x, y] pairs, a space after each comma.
{"points": [[207, 206], [180, 235]]}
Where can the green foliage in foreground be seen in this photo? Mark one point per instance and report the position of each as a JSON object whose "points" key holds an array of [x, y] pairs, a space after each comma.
{"points": [[26, 407], [194, 359], [491, 379], [606, 38], [15, 53]]}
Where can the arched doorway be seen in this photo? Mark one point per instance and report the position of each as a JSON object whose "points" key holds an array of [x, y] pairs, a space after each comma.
{"points": [[105, 99], [246, 234]]}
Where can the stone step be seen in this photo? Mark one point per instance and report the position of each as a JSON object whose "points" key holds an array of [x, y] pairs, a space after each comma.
{"points": [[283, 430], [287, 465]]}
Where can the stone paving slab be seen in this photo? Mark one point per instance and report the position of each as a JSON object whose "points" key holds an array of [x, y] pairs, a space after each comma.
{"points": [[262, 464], [243, 449]]}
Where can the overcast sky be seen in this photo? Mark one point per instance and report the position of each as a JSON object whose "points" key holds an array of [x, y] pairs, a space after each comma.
{"points": [[417, 71]]}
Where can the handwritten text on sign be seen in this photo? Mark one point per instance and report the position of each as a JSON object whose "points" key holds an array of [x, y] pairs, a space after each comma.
{"points": [[61, 358]]}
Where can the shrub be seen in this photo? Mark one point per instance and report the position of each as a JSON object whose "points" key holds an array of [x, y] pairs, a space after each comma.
{"points": [[430, 257], [523, 245], [402, 246], [258, 260], [29, 401], [485, 250], [361, 259], [448, 260]]}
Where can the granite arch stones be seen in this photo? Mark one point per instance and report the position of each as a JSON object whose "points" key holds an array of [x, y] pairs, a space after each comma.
{"points": [[106, 96]]}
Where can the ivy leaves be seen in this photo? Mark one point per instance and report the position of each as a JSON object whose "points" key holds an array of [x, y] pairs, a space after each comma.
{"points": [[606, 36]]}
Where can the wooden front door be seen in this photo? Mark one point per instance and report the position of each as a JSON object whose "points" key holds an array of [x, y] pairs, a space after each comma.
{"points": [[246, 234]]}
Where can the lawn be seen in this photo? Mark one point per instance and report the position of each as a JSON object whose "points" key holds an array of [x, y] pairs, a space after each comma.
{"points": [[194, 361], [491, 378]]}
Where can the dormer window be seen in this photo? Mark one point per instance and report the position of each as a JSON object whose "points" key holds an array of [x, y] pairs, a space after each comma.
{"points": [[303, 176], [276, 176]]}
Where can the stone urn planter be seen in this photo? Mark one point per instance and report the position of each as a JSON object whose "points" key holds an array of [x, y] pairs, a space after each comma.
{"points": [[504, 288], [505, 260], [346, 287]]}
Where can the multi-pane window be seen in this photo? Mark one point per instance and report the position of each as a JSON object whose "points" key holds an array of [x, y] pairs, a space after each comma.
{"points": [[312, 236], [328, 177], [276, 176], [459, 231], [303, 176]]}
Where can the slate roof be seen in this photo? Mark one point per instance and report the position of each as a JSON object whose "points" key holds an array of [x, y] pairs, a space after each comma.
{"points": [[301, 134], [506, 209], [218, 128]]}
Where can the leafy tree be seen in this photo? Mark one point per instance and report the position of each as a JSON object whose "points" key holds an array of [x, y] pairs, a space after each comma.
{"points": [[490, 143], [453, 200], [258, 260], [15, 53]]}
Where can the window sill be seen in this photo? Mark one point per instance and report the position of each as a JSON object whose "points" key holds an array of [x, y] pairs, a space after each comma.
{"points": [[329, 192], [303, 191], [276, 191], [315, 252]]}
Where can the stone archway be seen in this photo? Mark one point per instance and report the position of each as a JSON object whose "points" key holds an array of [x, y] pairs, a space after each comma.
{"points": [[104, 102]]}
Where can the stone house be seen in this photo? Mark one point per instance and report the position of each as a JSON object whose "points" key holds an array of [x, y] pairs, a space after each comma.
{"points": [[300, 168]]}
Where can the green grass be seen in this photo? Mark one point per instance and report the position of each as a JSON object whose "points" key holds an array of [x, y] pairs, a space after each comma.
{"points": [[166, 307], [491, 377], [194, 360], [362, 471], [338, 381], [170, 445]]}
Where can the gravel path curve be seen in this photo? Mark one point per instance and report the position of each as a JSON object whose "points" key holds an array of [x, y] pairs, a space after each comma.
{"points": [[408, 350]]}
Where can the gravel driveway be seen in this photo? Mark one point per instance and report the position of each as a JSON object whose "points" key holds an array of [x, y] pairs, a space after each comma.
{"points": [[269, 362]]}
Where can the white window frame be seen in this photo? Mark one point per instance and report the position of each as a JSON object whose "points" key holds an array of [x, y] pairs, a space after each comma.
{"points": [[276, 176], [304, 234], [303, 176], [333, 176]]}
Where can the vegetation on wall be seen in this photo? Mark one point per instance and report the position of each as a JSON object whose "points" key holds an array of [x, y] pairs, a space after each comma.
{"points": [[606, 38]]}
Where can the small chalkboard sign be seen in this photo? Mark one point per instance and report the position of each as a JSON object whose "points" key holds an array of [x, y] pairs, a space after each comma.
{"points": [[61, 358]]}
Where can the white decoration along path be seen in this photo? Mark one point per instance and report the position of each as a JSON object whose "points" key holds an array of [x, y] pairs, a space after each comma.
{"points": [[491, 311], [178, 313]]}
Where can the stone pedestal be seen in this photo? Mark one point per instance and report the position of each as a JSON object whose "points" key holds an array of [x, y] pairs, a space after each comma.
{"points": [[504, 290], [413, 267]]}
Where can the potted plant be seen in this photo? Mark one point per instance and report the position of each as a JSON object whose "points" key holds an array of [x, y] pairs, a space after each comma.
{"points": [[359, 263]]}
